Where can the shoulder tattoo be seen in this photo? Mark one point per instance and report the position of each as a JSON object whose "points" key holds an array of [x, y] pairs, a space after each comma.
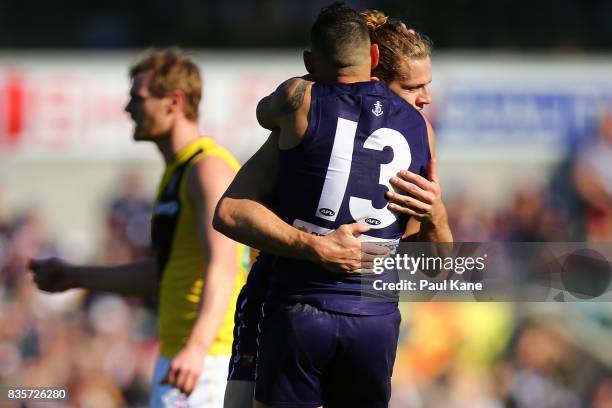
{"points": [[296, 100]]}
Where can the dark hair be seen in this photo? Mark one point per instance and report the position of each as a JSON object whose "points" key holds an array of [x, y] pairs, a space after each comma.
{"points": [[340, 35], [395, 44], [170, 69]]}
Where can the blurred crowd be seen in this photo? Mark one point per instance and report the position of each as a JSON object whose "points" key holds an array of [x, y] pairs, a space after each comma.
{"points": [[575, 205], [102, 347]]}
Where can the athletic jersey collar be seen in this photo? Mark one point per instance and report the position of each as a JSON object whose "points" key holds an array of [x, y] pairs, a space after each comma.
{"points": [[373, 87], [188, 150]]}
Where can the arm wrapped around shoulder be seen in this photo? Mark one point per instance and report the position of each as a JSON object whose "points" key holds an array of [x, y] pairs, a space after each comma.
{"points": [[285, 100]]}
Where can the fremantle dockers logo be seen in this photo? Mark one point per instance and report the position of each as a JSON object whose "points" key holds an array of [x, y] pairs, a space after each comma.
{"points": [[377, 109]]}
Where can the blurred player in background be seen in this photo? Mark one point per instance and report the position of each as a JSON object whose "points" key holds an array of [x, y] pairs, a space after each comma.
{"points": [[196, 272], [422, 207], [593, 180]]}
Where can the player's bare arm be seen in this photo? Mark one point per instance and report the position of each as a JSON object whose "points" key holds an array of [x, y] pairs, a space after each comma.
{"points": [[137, 278], [287, 110], [286, 99], [243, 216], [203, 192]]}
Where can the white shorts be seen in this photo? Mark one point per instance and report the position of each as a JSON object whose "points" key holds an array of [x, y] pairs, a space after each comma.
{"points": [[208, 393]]}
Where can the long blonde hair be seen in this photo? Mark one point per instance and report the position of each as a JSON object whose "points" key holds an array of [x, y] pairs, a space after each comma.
{"points": [[395, 43]]}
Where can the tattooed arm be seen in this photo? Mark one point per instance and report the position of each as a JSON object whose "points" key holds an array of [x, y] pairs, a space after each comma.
{"points": [[287, 110], [241, 213]]}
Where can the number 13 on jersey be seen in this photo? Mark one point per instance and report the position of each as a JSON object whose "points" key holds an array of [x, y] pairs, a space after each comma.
{"points": [[339, 169]]}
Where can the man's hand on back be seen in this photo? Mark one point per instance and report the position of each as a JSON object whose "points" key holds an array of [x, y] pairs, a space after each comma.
{"points": [[342, 252]]}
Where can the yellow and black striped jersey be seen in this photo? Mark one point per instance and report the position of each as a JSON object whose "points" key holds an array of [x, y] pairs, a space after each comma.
{"points": [[181, 261]]}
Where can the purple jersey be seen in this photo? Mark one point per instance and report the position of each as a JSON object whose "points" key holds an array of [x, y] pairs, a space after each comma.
{"points": [[359, 136]]}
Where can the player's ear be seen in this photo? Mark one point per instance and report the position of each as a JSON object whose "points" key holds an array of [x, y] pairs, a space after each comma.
{"points": [[309, 61], [374, 54], [177, 100]]}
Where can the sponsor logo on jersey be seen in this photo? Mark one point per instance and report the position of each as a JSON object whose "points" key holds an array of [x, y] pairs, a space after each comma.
{"points": [[310, 228], [327, 212], [372, 221]]}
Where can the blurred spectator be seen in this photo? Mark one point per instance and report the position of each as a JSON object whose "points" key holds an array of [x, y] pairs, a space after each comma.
{"points": [[128, 219], [531, 217], [445, 353], [27, 237], [105, 357], [4, 238], [546, 355], [469, 220], [593, 181], [603, 394]]}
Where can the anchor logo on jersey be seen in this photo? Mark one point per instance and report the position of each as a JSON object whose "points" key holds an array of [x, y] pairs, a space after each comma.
{"points": [[377, 109]]}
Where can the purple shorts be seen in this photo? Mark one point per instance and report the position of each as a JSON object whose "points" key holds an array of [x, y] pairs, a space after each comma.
{"points": [[310, 357], [247, 318]]}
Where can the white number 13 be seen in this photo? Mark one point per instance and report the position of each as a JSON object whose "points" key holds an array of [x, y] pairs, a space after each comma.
{"points": [[339, 169]]}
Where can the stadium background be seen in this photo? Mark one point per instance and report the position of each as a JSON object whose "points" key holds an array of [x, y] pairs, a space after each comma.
{"points": [[522, 92]]}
